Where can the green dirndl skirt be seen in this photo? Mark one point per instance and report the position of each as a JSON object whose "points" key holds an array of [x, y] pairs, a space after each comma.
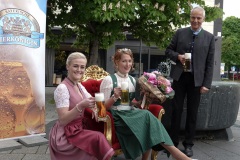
{"points": [[138, 131]]}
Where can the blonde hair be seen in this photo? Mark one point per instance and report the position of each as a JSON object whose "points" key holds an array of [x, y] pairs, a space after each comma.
{"points": [[75, 55]]}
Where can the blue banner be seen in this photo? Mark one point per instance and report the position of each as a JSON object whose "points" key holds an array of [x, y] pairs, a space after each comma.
{"points": [[22, 56]]}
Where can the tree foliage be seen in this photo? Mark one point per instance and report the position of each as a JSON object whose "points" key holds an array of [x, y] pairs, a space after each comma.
{"points": [[230, 41], [96, 24]]}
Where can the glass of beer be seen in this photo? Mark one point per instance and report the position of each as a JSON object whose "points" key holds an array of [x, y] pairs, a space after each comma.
{"points": [[187, 65], [99, 98], [125, 93]]}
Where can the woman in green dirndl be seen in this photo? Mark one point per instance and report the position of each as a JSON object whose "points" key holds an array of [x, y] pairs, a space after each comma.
{"points": [[138, 130]]}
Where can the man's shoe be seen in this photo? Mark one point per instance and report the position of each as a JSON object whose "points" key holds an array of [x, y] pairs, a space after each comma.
{"points": [[188, 151]]}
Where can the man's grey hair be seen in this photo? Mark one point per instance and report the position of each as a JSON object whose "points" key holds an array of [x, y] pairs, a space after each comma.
{"points": [[199, 8]]}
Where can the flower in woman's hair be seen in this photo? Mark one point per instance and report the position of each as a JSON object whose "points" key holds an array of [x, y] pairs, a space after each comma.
{"points": [[124, 50]]}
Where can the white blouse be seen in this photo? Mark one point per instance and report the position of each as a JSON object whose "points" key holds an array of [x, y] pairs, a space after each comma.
{"points": [[61, 95], [107, 85]]}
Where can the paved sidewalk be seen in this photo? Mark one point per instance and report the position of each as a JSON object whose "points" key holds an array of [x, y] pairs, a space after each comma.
{"points": [[204, 149]]}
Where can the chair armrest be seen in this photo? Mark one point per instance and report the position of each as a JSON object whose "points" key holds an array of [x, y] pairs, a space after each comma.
{"points": [[105, 125], [157, 110]]}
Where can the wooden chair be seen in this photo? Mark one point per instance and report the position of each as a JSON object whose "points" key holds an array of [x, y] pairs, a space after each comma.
{"points": [[91, 81]]}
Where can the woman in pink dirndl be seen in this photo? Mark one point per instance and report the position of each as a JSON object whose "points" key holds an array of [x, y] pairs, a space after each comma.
{"points": [[68, 140]]}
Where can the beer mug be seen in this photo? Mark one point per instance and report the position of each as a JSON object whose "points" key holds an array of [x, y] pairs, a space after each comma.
{"points": [[125, 93], [99, 98], [187, 64]]}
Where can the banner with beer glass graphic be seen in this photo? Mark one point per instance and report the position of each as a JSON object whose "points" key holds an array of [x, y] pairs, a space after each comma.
{"points": [[22, 67]]}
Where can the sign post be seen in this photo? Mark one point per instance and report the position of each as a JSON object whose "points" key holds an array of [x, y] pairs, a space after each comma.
{"points": [[233, 70]]}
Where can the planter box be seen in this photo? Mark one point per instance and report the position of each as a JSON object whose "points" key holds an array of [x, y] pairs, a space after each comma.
{"points": [[218, 108]]}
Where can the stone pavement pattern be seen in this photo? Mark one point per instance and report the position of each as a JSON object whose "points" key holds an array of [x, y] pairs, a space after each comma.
{"points": [[204, 149]]}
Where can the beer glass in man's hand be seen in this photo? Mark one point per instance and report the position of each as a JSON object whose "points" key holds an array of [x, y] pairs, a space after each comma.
{"points": [[187, 64], [125, 93], [99, 98]]}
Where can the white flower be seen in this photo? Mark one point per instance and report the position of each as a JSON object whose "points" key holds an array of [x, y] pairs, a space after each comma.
{"points": [[118, 4], [110, 6], [104, 8], [162, 8]]}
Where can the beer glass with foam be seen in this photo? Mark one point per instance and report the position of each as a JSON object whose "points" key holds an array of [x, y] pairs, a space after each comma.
{"points": [[99, 98], [125, 93], [187, 65]]}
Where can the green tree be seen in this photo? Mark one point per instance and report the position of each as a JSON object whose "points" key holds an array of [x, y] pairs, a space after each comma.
{"points": [[230, 42], [97, 24]]}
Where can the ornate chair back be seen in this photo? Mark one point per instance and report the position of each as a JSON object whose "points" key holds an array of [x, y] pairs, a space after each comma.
{"points": [[92, 78]]}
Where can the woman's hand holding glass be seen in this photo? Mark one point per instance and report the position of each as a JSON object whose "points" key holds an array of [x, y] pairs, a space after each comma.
{"points": [[87, 103], [117, 92]]}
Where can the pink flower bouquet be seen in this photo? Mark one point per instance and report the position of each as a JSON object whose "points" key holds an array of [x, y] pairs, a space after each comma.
{"points": [[155, 87]]}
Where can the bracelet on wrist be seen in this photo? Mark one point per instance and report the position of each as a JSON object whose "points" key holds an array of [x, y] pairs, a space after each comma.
{"points": [[79, 110]]}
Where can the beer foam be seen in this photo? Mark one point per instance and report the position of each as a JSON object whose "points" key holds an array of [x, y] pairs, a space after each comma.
{"points": [[187, 55], [99, 97], [124, 85]]}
